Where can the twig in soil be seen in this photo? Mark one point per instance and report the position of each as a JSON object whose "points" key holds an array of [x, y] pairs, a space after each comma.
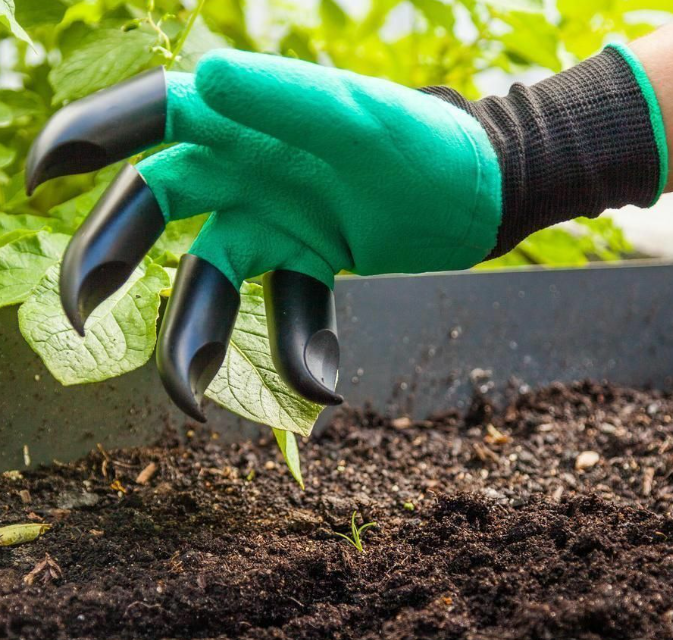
{"points": [[301, 604], [146, 474], [106, 459], [47, 569], [484, 453], [648, 479], [139, 603], [356, 539]]}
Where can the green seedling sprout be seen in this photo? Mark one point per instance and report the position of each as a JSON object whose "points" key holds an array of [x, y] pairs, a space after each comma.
{"points": [[356, 539]]}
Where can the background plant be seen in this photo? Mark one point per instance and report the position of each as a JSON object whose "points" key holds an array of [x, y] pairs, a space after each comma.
{"points": [[55, 51]]}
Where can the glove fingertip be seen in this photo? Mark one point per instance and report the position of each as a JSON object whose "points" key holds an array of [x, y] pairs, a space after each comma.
{"points": [[223, 73]]}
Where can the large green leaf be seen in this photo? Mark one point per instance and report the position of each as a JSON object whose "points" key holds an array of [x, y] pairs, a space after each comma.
{"points": [[102, 58], [248, 384], [8, 19], [24, 261], [120, 333]]}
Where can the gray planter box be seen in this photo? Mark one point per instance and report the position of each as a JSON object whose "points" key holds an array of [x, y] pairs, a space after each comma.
{"points": [[410, 345]]}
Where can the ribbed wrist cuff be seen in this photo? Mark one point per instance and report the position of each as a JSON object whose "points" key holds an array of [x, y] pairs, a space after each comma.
{"points": [[578, 143]]}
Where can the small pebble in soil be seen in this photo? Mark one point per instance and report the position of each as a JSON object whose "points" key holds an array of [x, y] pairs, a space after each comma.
{"points": [[586, 460]]}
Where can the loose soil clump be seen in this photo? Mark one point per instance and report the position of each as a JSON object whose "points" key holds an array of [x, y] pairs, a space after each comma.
{"points": [[548, 519]]}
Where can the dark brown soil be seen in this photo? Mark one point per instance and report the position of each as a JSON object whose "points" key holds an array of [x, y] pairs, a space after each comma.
{"points": [[483, 532]]}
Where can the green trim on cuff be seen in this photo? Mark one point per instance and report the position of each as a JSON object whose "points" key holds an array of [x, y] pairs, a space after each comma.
{"points": [[656, 118]]}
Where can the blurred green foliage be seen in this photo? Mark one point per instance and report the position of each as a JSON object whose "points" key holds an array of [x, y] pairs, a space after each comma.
{"points": [[55, 51]]}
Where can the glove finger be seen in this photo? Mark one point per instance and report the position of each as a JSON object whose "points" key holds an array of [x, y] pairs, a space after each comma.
{"points": [[109, 245], [190, 119], [195, 332], [297, 291], [101, 129], [188, 180], [175, 183], [123, 120], [303, 104], [301, 319]]}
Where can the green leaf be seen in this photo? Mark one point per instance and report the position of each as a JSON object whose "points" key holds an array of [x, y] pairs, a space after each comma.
{"points": [[7, 156], [18, 107], [334, 19], [35, 13], [583, 8], [71, 213], [199, 41], [641, 5], [297, 44], [554, 247], [178, 236], [24, 261], [534, 6], [14, 226], [86, 11], [120, 333], [6, 115], [248, 384], [287, 442], [12, 236], [102, 58], [378, 12], [8, 20], [14, 534], [532, 38], [15, 191], [436, 11]]}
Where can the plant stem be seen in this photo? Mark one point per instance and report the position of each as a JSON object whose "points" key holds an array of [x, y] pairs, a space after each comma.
{"points": [[157, 27], [185, 32]]}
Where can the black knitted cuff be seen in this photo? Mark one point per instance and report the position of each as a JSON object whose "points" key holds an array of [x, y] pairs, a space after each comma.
{"points": [[573, 145]]}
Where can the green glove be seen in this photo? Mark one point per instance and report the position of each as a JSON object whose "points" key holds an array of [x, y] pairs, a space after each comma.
{"points": [[319, 170], [310, 171]]}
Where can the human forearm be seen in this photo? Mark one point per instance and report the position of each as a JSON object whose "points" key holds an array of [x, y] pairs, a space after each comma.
{"points": [[588, 139]]}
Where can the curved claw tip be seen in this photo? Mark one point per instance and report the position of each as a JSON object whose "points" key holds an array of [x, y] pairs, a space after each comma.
{"points": [[100, 129], [195, 332], [109, 245], [321, 357], [47, 160], [178, 387], [81, 295], [187, 385]]}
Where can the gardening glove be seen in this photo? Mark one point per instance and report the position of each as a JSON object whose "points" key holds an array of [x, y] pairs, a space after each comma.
{"points": [[310, 171]]}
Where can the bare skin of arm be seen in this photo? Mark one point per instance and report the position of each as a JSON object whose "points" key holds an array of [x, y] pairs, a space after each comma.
{"points": [[655, 52]]}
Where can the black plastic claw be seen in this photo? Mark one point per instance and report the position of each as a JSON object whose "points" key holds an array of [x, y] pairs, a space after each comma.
{"points": [[195, 332], [109, 245], [302, 331], [102, 128]]}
